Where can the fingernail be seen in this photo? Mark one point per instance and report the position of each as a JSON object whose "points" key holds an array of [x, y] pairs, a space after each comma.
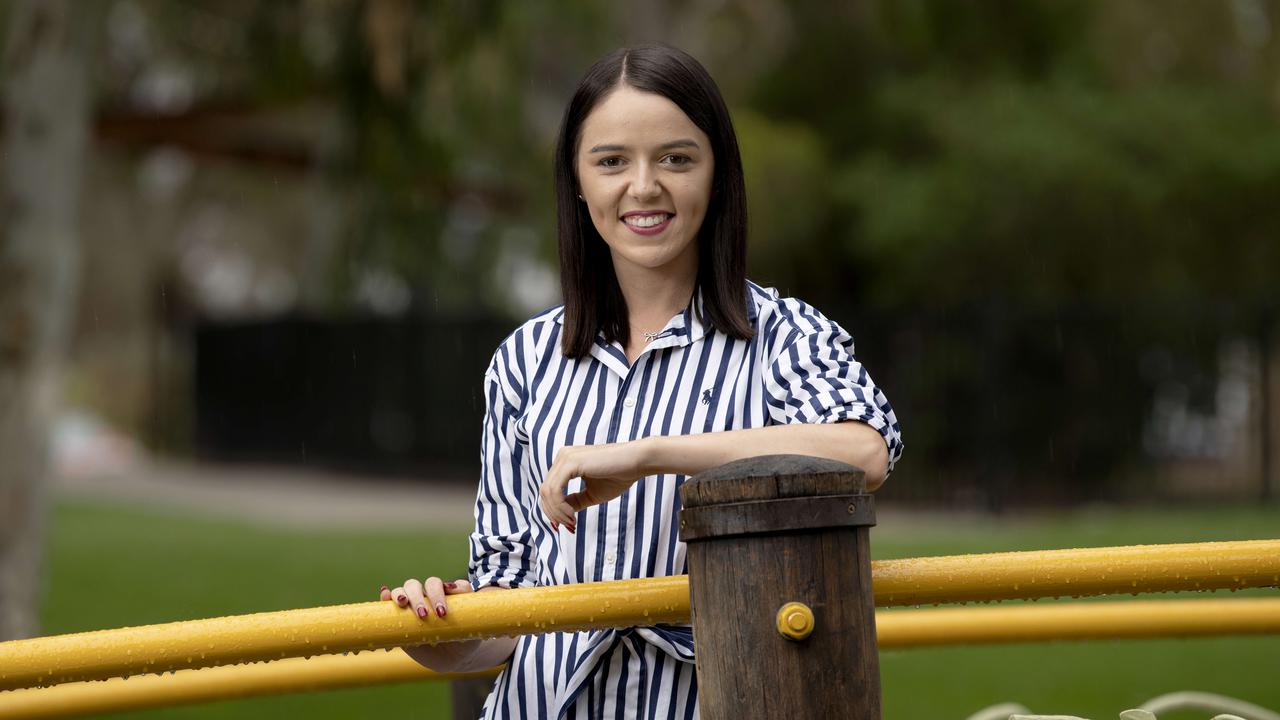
{"points": [[440, 610], [422, 612], [573, 529], [384, 588], [401, 600]]}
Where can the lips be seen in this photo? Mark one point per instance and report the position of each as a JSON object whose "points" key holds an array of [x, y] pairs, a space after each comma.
{"points": [[647, 223]]}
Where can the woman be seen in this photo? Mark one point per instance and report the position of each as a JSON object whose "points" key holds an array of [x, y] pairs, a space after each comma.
{"points": [[663, 362]]}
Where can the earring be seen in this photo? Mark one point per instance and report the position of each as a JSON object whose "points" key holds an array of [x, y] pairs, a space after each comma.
{"points": [[581, 198]]}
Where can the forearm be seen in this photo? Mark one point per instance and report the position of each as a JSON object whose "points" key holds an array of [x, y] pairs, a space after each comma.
{"points": [[852, 442], [464, 655]]}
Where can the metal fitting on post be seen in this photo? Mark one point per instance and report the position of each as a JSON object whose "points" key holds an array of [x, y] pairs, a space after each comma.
{"points": [[795, 621]]}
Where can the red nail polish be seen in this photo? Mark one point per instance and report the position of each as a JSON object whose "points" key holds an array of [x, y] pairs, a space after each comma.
{"points": [[439, 611], [422, 612], [384, 588], [448, 586], [402, 600]]}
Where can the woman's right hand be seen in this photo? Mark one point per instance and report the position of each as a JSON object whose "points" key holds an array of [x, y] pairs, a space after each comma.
{"points": [[425, 596], [422, 597]]}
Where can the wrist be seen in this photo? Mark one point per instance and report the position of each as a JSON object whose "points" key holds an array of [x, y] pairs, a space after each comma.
{"points": [[652, 451]]}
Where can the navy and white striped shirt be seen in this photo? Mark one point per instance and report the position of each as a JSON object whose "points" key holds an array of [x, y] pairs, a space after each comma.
{"points": [[799, 368]]}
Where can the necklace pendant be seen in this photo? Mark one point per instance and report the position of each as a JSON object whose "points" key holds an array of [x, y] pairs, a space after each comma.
{"points": [[649, 336]]}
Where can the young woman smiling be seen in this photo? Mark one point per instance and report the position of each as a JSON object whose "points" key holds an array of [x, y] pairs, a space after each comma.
{"points": [[664, 361]]}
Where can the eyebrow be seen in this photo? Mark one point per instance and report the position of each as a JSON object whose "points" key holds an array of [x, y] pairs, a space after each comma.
{"points": [[682, 142]]}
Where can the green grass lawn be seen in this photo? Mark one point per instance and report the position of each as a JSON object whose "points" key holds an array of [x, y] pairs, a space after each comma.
{"points": [[114, 566]]}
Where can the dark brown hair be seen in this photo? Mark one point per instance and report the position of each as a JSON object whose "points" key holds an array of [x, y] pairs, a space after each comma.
{"points": [[593, 301]]}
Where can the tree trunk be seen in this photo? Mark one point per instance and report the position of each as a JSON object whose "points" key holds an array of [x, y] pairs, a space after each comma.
{"points": [[42, 157]]}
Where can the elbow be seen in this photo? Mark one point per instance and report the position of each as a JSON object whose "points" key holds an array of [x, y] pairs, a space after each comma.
{"points": [[877, 470], [867, 451]]}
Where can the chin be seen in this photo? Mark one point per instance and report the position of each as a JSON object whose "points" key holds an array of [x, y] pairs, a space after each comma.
{"points": [[653, 258]]}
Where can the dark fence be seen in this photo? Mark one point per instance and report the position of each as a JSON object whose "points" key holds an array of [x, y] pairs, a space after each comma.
{"points": [[1012, 406], [363, 394], [1000, 405]]}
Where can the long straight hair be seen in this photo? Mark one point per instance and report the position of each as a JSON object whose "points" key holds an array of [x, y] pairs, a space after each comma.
{"points": [[593, 300]]}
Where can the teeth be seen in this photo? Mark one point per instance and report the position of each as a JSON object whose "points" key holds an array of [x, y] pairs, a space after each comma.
{"points": [[645, 221]]}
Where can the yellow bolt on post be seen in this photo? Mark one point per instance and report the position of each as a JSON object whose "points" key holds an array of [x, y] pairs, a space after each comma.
{"points": [[795, 621]]}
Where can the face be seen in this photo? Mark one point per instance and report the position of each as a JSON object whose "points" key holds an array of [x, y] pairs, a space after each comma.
{"points": [[645, 171]]}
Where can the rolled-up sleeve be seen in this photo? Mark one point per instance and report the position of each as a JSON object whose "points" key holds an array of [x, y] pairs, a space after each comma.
{"points": [[813, 376], [502, 551]]}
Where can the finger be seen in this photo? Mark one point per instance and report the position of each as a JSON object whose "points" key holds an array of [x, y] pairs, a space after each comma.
{"points": [[552, 490], [400, 598], [413, 588], [458, 587], [564, 513], [435, 595], [570, 515], [545, 494], [578, 501], [385, 593]]}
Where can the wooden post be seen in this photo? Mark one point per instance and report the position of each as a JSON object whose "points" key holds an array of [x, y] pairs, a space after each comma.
{"points": [[780, 584]]}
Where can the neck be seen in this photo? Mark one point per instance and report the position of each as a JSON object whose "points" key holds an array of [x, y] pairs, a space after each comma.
{"points": [[654, 296]]}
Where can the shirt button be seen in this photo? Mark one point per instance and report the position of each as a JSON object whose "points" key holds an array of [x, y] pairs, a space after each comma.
{"points": [[629, 402], [610, 557]]}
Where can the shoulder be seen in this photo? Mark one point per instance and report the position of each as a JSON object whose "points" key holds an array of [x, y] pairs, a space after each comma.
{"points": [[522, 350], [776, 315]]}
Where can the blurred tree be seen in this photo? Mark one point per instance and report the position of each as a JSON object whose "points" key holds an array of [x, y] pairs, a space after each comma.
{"points": [[46, 120]]}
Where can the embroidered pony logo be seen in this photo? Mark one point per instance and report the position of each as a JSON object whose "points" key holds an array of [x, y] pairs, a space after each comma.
{"points": [[706, 396]]}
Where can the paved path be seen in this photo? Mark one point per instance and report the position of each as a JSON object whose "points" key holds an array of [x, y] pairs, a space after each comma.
{"points": [[308, 497], [282, 496]]}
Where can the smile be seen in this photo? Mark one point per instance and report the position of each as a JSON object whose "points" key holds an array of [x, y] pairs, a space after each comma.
{"points": [[648, 224]]}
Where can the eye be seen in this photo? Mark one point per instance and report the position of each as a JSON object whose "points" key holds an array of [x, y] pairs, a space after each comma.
{"points": [[677, 160], [610, 162]]}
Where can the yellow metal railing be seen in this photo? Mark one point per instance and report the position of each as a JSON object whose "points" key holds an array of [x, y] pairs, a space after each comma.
{"points": [[1077, 621], [1077, 573], [103, 654], [228, 682], [269, 636], [895, 629]]}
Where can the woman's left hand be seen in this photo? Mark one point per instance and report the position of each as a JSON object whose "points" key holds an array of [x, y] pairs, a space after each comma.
{"points": [[606, 471]]}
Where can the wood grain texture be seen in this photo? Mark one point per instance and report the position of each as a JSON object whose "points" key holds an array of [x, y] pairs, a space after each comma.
{"points": [[770, 477], [746, 669], [764, 517]]}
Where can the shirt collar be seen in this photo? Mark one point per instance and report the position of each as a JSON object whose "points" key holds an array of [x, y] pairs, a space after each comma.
{"points": [[685, 327]]}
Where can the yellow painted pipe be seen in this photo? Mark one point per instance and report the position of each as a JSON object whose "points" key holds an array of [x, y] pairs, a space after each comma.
{"points": [[896, 629], [1077, 573], [620, 603], [1077, 621], [103, 654], [228, 682]]}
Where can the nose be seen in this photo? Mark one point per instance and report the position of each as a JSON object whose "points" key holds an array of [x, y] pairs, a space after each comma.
{"points": [[644, 183]]}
